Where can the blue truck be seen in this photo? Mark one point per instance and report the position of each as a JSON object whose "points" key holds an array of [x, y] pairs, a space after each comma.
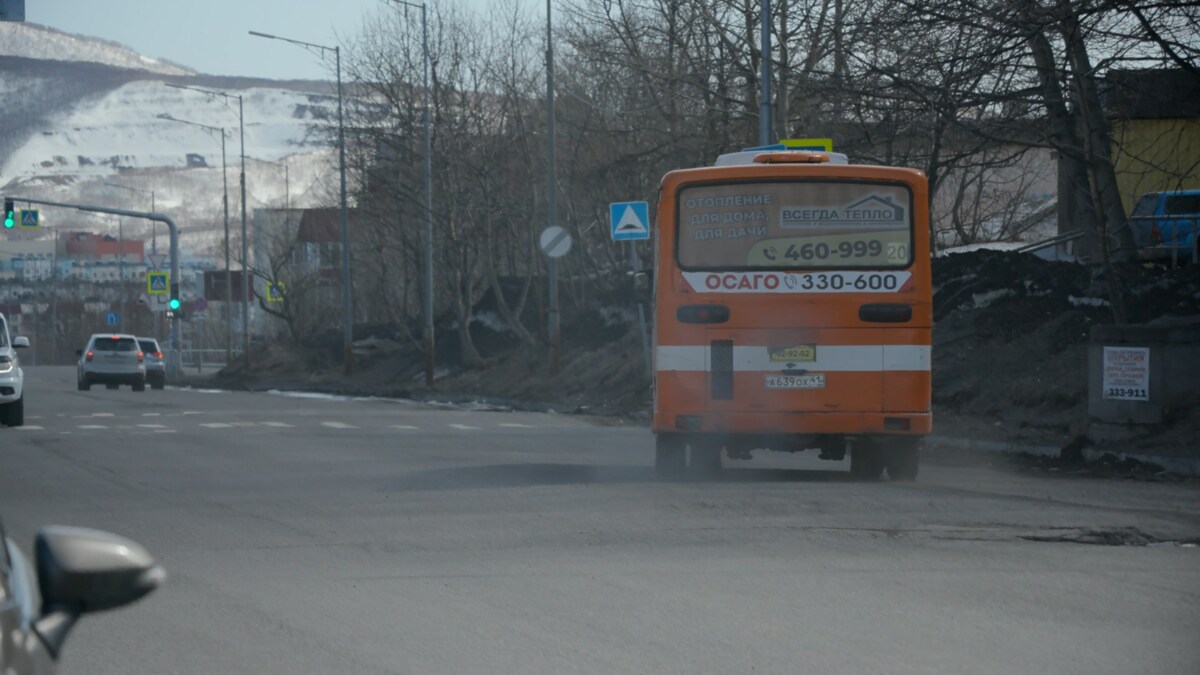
{"points": [[1165, 225]]}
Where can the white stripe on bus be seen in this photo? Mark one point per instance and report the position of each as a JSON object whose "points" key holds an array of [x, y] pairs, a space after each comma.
{"points": [[830, 358]]}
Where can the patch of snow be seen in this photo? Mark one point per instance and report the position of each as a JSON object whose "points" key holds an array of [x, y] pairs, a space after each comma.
{"points": [[990, 246], [492, 321], [34, 41], [309, 395], [982, 300], [1086, 302]]}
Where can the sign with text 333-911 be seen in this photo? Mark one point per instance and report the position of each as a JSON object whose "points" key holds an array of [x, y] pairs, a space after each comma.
{"points": [[1126, 373]]}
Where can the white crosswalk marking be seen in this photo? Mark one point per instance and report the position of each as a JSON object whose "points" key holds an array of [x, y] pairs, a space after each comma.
{"points": [[217, 425], [92, 426], [278, 425], [514, 425], [31, 427], [164, 431], [464, 427], [409, 427], [151, 414], [153, 426], [338, 425]]}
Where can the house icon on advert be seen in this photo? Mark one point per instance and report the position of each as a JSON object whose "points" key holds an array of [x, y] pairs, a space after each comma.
{"points": [[875, 208]]}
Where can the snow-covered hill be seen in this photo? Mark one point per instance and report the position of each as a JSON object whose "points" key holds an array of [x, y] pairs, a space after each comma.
{"points": [[34, 41], [82, 132]]}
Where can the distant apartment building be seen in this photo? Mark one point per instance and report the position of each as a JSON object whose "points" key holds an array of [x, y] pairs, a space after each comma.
{"points": [[92, 246]]}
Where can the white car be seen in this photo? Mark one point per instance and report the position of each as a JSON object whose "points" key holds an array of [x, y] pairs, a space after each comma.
{"points": [[12, 378], [112, 359]]}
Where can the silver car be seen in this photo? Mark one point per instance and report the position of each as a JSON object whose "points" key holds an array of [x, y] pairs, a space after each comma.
{"points": [[112, 359], [156, 366], [12, 378]]}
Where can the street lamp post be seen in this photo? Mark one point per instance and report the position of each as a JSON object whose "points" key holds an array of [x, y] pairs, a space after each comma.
{"points": [[225, 199], [245, 237], [430, 341], [347, 314]]}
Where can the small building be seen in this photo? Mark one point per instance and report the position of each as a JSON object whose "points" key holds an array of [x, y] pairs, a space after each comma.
{"points": [[1154, 117]]}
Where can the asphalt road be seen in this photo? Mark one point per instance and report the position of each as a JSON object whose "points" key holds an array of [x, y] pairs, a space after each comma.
{"points": [[310, 535]]}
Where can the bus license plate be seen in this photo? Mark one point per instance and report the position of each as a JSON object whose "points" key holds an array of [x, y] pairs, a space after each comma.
{"points": [[815, 381]]}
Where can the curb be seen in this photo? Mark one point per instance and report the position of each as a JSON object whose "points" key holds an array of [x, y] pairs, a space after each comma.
{"points": [[1184, 466]]}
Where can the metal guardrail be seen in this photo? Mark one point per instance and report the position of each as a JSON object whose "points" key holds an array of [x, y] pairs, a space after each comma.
{"points": [[201, 361]]}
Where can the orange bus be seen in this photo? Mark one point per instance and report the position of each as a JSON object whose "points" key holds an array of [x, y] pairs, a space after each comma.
{"points": [[792, 311]]}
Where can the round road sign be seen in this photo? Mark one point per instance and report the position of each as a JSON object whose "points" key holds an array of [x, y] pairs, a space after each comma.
{"points": [[555, 241]]}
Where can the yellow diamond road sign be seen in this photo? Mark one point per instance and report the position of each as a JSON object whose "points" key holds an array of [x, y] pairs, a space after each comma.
{"points": [[158, 283]]}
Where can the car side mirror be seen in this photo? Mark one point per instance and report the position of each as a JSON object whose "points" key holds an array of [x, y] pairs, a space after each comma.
{"points": [[82, 571], [21, 342]]}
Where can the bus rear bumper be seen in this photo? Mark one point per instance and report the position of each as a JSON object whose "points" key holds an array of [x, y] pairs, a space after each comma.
{"points": [[901, 423]]}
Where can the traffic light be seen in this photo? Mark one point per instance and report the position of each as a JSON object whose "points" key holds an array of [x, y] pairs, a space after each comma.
{"points": [[10, 214], [174, 305]]}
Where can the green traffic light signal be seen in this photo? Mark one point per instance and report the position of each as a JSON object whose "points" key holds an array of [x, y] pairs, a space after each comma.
{"points": [[10, 214], [174, 304]]}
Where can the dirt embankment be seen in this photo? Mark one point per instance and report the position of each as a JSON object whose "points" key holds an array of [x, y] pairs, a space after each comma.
{"points": [[1009, 357]]}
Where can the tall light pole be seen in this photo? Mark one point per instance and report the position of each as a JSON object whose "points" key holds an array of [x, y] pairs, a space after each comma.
{"points": [[121, 244], [551, 207], [427, 294], [347, 314], [764, 97], [245, 237], [225, 199]]}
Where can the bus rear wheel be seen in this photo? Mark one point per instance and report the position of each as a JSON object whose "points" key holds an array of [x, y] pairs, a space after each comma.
{"points": [[866, 461], [903, 459], [705, 461], [670, 456]]}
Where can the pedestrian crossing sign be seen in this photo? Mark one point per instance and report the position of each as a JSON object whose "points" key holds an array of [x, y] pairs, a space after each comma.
{"points": [[158, 283], [30, 218], [274, 292]]}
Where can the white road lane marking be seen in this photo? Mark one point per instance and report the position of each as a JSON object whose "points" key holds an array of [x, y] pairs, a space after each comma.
{"points": [[151, 414], [92, 426], [31, 427], [217, 425], [408, 427], [278, 425], [464, 427], [514, 425], [103, 415], [153, 426], [164, 431], [338, 425]]}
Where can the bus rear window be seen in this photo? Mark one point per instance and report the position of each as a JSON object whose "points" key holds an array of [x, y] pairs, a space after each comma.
{"points": [[795, 225]]}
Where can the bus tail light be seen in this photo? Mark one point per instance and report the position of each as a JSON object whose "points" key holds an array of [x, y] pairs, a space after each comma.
{"points": [[702, 314]]}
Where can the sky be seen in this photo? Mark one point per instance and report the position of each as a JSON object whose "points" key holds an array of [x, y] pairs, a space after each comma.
{"points": [[211, 35]]}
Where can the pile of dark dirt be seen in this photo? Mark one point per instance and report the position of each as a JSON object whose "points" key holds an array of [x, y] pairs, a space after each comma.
{"points": [[1011, 334]]}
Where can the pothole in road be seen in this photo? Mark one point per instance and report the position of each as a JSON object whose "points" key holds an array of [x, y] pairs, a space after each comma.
{"points": [[1130, 536]]}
